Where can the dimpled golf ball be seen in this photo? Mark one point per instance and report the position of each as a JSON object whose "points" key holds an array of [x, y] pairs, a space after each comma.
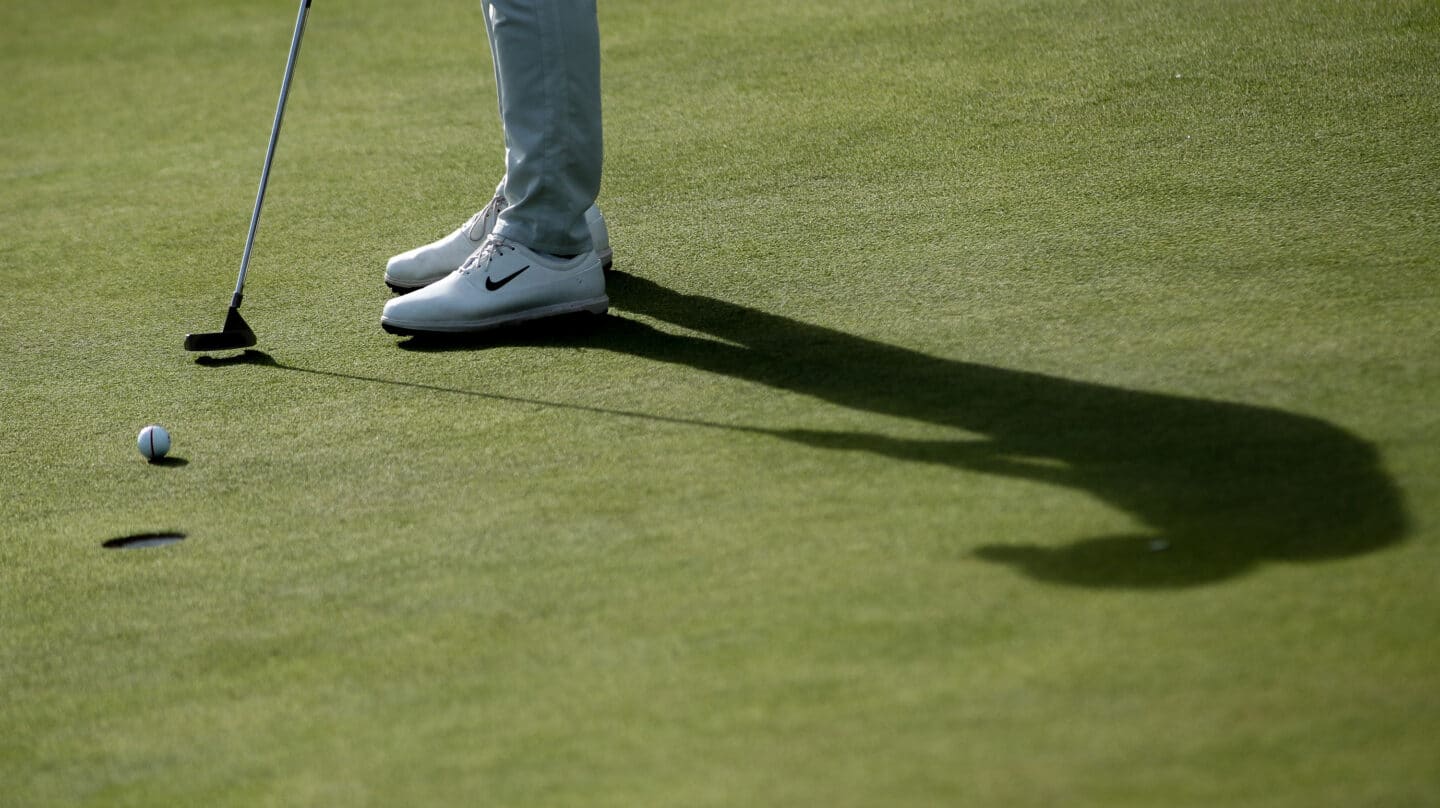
{"points": [[154, 442]]}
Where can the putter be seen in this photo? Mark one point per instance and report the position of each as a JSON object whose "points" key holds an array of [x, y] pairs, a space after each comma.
{"points": [[236, 333]]}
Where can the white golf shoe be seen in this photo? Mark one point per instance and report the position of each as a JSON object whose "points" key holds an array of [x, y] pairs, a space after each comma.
{"points": [[501, 283], [422, 266]]}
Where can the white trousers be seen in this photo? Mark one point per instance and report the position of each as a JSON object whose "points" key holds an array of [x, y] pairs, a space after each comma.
{"points": [[547, 70]]}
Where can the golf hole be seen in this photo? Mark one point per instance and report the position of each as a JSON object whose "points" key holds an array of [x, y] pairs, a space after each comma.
{"points": [[141, 541]]}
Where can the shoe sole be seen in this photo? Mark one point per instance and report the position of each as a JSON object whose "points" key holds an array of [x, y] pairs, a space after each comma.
{"points": [[402, 289], [607, 260], [594, 305]]}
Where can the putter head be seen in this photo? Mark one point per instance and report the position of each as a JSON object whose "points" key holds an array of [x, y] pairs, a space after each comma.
{"points": [[235, 335]]}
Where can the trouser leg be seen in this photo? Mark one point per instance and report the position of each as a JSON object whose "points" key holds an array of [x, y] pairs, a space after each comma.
{"points": [[547, 72]]}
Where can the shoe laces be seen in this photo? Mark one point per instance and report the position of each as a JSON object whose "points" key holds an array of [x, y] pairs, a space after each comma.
{"points": [[491, 211], [493, 248]]}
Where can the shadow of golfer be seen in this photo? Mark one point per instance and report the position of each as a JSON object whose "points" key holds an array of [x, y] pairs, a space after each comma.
{"points": [[1221, 487]]}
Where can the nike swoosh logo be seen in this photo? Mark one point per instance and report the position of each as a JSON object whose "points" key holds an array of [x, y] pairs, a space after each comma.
{"points": [[492, 286]]}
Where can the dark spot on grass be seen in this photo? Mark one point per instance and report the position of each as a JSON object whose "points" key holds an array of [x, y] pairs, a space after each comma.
{"points": [[140, 541]]}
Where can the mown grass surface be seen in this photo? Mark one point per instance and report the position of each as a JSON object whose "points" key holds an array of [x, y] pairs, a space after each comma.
{"points": [[932, 317]]}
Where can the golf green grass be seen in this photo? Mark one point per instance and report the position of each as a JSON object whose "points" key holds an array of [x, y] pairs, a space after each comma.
{"points": [[1002, 404]]}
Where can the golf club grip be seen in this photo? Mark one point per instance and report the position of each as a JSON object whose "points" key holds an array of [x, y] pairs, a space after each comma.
{"points": [[270, 149]]}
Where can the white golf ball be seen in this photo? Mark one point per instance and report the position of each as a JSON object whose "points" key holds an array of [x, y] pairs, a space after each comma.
{"points": [[153, 442]]}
